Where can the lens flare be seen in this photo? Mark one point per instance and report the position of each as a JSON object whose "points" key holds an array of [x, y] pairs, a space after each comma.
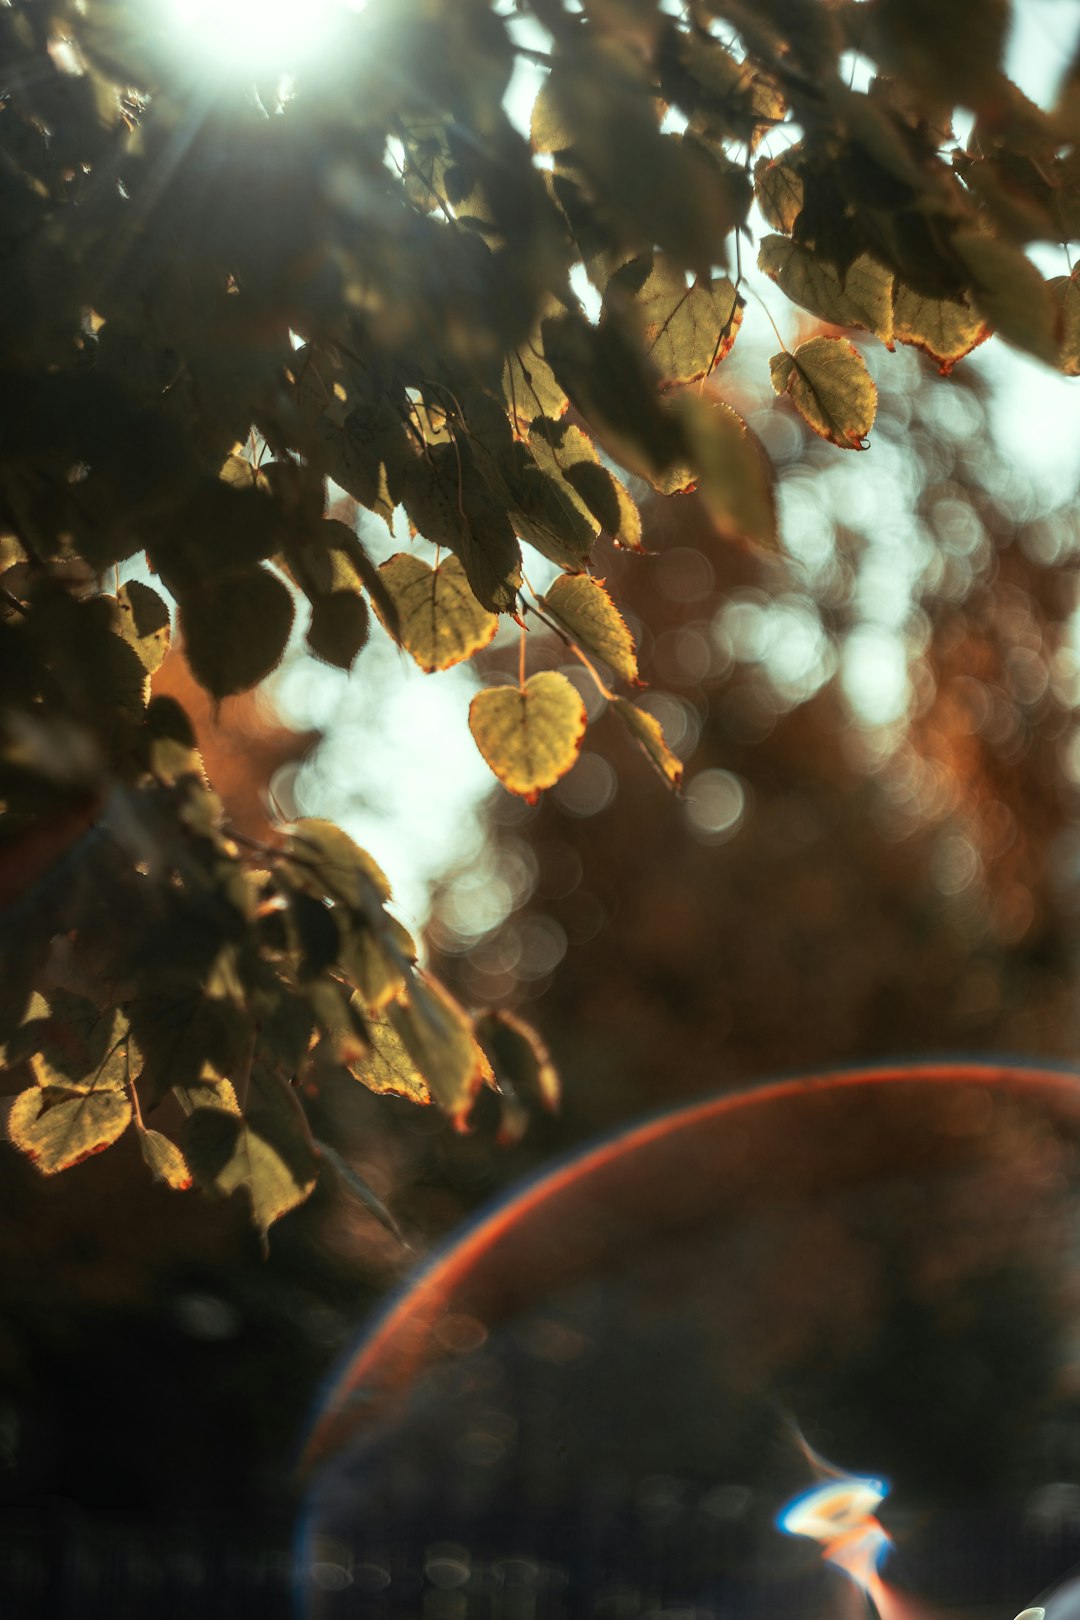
{"points": [[255, 37], [839, 1513]]}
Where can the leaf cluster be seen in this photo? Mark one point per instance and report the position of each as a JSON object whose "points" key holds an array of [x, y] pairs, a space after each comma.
{"points": [[217, 303]]}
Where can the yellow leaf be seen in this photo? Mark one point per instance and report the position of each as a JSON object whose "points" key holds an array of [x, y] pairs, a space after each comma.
{"points": [[325, 861], [688, 330], [386, 1066], [861, 296], [531, 735], [648, 733], [1066, 291], [944, 328], [165, 1159], [439, 1038], [375, 961], [440, 622], [56, 1129], [584, 608], [830, 387], [144, 623]]}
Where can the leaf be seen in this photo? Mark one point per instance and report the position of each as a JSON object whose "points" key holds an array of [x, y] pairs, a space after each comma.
{"points": [[859, 296], [519, 1056], [165, 1159], [1066, 291], [582, 605], [144, 623], [355, 1183], [71, 1044], [376, 961], [440, 622], [735, 477], [945, 329], [266, 1152], [687, 329], [386, 1067], [325, 861], [339, 628], [531, 735], [648, 733], [439, 1039], [449, 503], [235, 629], [1010, 293], [186, 1040], [530, 386], [830, 387], [569, 456], [57, 1130], [778, 187]]}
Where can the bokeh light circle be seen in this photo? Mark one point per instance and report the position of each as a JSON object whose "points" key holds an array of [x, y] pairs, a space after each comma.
{"points": [[599, 1399]]}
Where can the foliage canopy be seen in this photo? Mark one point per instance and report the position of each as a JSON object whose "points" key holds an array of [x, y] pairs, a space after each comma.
{"points": [[218, 298]]}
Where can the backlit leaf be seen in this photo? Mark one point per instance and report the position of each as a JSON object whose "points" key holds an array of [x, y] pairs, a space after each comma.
{"points": [[859, 296], [1066, 291], [165, 1159], [778, 187], [266, 1152], [582, 605], [439, 1038], [440, 622], [569, 456], [324, 860], [829, 385], [648, 733], [945, 329], [376, 961], [235, 629], [144, 623], [450, 504], [687, 329], [735, 476], [519, 1056], [386, 1066], [1007, 289], [57, 1130], [529, 736]]}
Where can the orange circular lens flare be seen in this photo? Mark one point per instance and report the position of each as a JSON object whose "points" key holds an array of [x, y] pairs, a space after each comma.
{"points": [[885, 1261]]}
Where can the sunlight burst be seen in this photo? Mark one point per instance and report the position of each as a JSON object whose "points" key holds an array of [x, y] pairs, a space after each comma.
{"points": [[254, 37]]}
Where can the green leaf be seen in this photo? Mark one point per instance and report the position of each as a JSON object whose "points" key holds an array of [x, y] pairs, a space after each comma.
{"points": [[57, 1130], [144, 623], [531, 735], [946, 329], [439, 620], [583, 607], [266, 1152], [530, 386], [734, 475], [235, 628], [165, 1159], [861, 295], [1010, 293], [830, 387], [648, 733], [438, 1037]]}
